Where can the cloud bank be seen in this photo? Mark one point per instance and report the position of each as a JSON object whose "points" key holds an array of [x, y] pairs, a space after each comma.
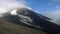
{"points": [[54, 15], [6, 5]]}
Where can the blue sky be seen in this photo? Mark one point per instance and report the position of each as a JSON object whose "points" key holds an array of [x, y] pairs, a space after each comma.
{"points": [[39, 5], [42, 6]]}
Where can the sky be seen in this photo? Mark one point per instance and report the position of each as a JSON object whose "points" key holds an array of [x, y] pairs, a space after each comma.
{"points": [[49, 8], [42, 6]]}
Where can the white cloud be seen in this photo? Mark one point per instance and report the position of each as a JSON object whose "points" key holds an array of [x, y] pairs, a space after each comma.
{"points": [[2, 10], [10, 4], [54, 15]]}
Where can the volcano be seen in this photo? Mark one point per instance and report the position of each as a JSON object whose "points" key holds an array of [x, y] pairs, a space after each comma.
{"points": [[29, 18]]}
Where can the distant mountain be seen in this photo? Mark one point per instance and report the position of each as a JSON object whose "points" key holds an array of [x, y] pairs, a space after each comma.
{"points": [[27, 17]]}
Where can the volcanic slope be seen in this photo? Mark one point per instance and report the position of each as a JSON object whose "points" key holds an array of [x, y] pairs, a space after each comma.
{"points": [[7, 27]]}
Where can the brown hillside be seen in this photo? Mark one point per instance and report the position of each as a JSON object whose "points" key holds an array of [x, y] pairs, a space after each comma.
{"points": [[7, 27]]}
